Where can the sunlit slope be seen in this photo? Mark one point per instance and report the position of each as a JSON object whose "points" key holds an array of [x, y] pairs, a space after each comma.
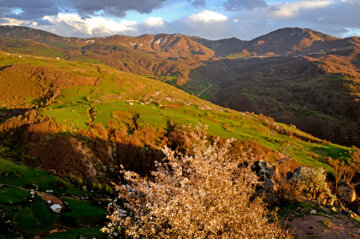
{"points": [[116, 99]]}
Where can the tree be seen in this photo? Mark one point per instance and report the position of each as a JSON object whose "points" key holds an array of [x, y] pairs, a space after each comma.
{"points": [[314, 181], [206, 195]]}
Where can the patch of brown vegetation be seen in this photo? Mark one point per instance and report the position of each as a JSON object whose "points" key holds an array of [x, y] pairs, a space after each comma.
{"points": [[22, 84], [65, 156]]}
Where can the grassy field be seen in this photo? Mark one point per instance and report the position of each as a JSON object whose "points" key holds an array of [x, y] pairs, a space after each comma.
{"points": [[115, 94], [12, 174], [36, 218], [118, 96]]}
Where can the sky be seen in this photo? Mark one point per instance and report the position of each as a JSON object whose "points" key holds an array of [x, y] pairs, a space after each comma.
{"points": [[212, 19]]}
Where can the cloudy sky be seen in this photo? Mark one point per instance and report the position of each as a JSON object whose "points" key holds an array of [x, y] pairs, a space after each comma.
{"points": [[213, 19]]}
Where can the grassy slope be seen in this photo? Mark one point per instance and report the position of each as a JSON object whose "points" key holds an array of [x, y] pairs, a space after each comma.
{"points": [[37, 218], [118, 94], [292, 90], [114, 99]]}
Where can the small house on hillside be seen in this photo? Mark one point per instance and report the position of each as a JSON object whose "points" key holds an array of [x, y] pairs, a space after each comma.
{"points": [[56, 208]]}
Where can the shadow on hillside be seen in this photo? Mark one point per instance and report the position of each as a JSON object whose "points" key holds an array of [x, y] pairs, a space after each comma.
{"points": [[91, 159], [292, 90], [9, 113], [4, 67]]}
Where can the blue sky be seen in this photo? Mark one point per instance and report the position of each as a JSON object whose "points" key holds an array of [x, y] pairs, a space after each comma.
{"points": [[175, 10], [213, 19]]}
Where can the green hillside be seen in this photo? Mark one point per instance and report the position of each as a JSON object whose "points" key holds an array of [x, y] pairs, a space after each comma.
{"points": [[50, 127], [31, 216], [115, 95]]}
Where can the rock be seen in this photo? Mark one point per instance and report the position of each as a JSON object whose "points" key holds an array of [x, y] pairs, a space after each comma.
{"points": [[346, 192], [294, 175], [270, 185], [313, 212], [289, 175], [263, 169]]}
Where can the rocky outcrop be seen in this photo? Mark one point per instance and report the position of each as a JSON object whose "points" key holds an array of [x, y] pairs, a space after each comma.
{"points": [[293, 175], [346, 192], [265, 172]]}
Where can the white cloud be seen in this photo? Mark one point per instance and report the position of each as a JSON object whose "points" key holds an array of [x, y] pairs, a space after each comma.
{"points": [[91, 25], [207, 16], [336, 17], [292, 9], [154, 22], [16, 22], [350, 1]]}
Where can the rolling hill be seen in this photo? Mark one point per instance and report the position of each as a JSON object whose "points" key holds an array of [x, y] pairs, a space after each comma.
{"points": [[72, 111], [160, 54], [297, 76]]}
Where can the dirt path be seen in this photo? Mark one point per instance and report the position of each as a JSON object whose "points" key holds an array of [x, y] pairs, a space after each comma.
{"points": [[46, 197], [285, 149], [329, 227], [203, 90]]}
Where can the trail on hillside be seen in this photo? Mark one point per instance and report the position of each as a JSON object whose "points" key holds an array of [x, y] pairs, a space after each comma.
{"points": [[203, 90], [92, 111], [285, 149], [284, 152]]}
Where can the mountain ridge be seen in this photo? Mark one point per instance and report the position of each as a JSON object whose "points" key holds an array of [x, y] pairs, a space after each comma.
{"points": [[308, 34], [214, 70]]}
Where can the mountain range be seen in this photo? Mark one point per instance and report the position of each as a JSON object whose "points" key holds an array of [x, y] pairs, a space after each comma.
{"points": [[298, 76], [73, 110]]}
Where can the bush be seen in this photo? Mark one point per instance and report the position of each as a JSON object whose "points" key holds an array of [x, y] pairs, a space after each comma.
{"points": [[206, 195], [287, 190], [313, 180]]}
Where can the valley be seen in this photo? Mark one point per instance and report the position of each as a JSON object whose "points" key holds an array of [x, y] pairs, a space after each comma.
{"points": [[75, 112]]}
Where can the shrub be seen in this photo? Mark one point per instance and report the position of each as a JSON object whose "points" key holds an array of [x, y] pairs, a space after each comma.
{"points": [[313, 180], [206, 195], [287, 189], [343, 170]]}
